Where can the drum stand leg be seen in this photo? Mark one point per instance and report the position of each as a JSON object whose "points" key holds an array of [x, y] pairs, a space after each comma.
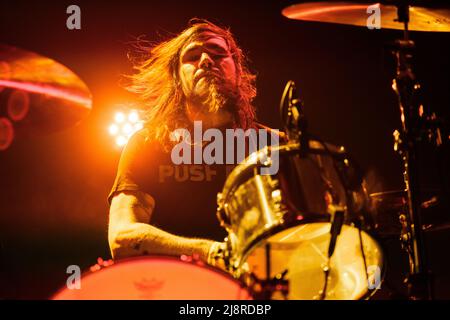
{"points": [[264, 289]]}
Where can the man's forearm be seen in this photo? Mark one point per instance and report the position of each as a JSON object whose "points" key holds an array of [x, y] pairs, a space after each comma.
{"points": [[143, 239]]}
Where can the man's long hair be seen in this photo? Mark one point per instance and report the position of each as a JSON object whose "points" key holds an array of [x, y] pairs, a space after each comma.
{"points": [[159, 90]]}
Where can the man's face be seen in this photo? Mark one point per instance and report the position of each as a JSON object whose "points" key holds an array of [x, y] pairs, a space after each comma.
{"points": [[207, 72]]}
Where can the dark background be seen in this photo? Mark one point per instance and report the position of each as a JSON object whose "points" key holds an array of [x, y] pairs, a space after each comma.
{"points": [[53, 208]]}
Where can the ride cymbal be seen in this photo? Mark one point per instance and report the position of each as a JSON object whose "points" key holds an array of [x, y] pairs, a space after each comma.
{"points": [[356, 14]]}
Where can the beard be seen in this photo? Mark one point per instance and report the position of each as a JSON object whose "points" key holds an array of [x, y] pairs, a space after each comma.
{"points": [[215, 93]]}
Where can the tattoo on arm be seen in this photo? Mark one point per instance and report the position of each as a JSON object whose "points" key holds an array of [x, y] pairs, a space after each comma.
{"points": [[142, 201]]}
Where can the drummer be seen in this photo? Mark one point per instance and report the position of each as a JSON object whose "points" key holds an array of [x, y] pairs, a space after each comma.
{"points": [[159, 206]]}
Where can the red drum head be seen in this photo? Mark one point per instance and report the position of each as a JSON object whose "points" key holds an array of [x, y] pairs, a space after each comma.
{"points": [[156, 278]]}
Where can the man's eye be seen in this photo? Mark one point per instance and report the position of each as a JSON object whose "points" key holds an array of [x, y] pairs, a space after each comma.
{"points": [[192, 58], [220, 56]]}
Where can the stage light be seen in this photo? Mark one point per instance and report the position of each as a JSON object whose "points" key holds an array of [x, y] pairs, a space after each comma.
{"points": [[124, 126], [133, 117], [121, 141], [138, 126], [113, 129], [119, 117], [127, 129]]}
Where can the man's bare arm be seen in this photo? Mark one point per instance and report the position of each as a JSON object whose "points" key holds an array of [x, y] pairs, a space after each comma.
{"points": [[129, 233]]}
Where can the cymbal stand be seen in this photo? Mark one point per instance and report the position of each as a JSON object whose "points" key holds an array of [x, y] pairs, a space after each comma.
{"points": [[416, 127]]}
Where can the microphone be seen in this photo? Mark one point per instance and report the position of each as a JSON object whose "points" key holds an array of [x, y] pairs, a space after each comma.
{"points": [[293, 117], [337, 220]]}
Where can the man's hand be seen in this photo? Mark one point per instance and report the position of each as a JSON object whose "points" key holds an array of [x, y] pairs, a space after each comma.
{"points": [[216, 256]]}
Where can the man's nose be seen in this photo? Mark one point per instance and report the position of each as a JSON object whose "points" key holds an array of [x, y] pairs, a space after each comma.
{"points": [[205, 61]]}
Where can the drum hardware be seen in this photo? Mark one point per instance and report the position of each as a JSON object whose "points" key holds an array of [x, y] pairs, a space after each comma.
{"points": [[405, 236], [415, 127], [418, 126], [260, 289], [293, 117], [270, 287]]}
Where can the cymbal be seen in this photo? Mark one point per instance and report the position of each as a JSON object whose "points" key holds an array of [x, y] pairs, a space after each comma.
{"points": [[38, 94], [355, 14]]}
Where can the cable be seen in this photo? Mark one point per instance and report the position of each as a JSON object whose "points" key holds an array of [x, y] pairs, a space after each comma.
{"points": [[362, 252], [326, 270]]}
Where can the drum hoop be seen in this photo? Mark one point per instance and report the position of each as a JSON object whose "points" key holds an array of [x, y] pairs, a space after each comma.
{"points": [[90, 273], [234, 179]]}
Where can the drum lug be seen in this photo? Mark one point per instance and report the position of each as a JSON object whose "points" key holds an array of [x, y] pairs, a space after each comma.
{"points": [[220, 201], [221, 211], [273, 183], [101, 264]]}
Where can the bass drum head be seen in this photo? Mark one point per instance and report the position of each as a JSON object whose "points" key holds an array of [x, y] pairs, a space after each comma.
{"points": [[156, 278], [302, 251]]}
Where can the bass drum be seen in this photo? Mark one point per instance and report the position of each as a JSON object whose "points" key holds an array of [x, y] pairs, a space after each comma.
{"points": [[279, 225], [156, 278]]}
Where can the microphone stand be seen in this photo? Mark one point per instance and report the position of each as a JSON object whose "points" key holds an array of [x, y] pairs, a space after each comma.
{"points": [[291, 109], [296, 128]]}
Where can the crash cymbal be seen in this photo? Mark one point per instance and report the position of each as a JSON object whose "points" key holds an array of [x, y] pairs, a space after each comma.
{"points": [[355, 14], [38, 94]]}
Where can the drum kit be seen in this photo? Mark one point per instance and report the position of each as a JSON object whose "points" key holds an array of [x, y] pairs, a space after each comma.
{"points": [[312, 230]]}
